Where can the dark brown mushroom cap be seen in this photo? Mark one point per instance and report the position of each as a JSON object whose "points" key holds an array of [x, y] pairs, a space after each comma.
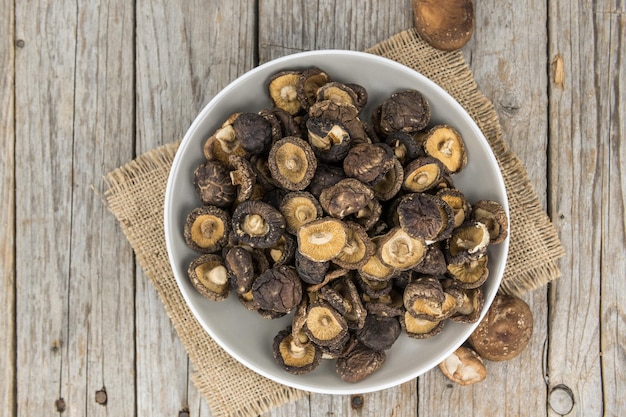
{"points": [[253, 132], [505, 330], [240, 266], [399, 250], [390, 183], [464, 367], [422, 174], [282, 252], [335, 299], [470, 303], [347, 114], [321, 240], [278, 289], [295, 358], [309, 83], [424, 215], [446, 25], [446, 144], [324, 325], [298, 208], [420, 328], [405, 147], [468, 241], [379, 333], [288, 123], [424, 298], [366, 162], [311, 272], [282, 89], [338, 93], [258, 224], [242, 176], [460, 205], [355, 313], [388, 305], [325, 176], [346, 197], [209, 277], [373, 288], [213, 185], [329, 139], [358, 248], [492, 215], [206, 229], [361, 94], [292, 163], [359, 363], [433, 263], [369, 215], [374, 269], [405, 111]]}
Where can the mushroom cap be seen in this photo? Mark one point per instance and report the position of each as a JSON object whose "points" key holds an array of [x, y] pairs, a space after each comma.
{"points": [[278, 289], [206, 229], [446, 144], [359, 363], [240, 266], [292, 163], [242, 176], [366, 162], [322, 240], [422, 174], [338, 93], [458, 202], [209, 277], [444, 24], [253, 132], [400, 250], [294, 357], [470, 273], [379, 333], [298, 208], [424, 298], [468, 241], [420, 328], [213, 185], [390, 183], [405, 147], [311, 272], [309, 82], [346, 197], [505, 330], [324, 325], [464, 366], [433, 262], [492, 215], [329, 139], [258, 224], [358, 248], [325, 176], [425, 215], [283, 91], [405, 111], [347, 114]]}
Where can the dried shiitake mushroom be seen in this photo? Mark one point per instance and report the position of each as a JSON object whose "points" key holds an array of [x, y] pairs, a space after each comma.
{"points": [[258, 224], [424, 298], [405, 147], [358, 248], [240, 266], [209, 277], [295, 358], [470, 302], [282, 252], [324, 325], [468, 241], [505, 330], [359, 363], [458, 202], [345, 113], [361, 94], [446, 144], [213, 185], [322, 240], [390, 183], [464, 366], [298, 208], [388, 305], [242, 176], [278, 289], [283, 90], [369, 215], [379, 333], [420, 328], [311, 272], [206, 229], [338, 93], [433, 263], [355, 312], [444, 24], [400, 250], [470, 273], [309, 83], [426, 216], [325, 176], [405, 111], [374, 269], [346, 197], [492, 215], [422, 174], [367, 162], [329, 139], [252, 132], [292, 163]]}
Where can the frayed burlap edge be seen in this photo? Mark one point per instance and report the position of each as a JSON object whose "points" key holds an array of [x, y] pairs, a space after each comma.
{"points": [[135, 195], [534, 243]]}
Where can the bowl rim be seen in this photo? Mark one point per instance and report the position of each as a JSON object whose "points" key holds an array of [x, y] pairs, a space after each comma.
{"points": [[177, 161]]}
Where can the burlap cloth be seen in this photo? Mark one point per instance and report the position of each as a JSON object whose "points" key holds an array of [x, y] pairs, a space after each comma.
{"points": [[136, 193]]}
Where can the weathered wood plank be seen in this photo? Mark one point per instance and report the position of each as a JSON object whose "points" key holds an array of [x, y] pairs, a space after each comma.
{"points": [[613, 302], [7, 208], [44, 130], [580, 127], [185, 53], [508, 59], [100, 345]]}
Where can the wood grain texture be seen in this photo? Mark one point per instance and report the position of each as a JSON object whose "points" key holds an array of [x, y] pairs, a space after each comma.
{"points": [[580, 128], [7, 209], [507, 56], [185, 53]]}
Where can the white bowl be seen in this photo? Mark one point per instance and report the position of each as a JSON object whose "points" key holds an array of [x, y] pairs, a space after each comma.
{"points": [[248, 337]]}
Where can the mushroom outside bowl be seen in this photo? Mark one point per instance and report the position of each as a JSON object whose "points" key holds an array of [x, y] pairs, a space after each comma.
{"points": [[248, 337]]}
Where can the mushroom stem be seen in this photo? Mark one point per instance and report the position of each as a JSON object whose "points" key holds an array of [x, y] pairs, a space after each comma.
{"points": [[255, 225], [218, 275]]}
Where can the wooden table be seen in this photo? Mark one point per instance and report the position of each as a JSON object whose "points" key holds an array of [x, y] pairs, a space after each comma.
{"points": [[86, 86]]}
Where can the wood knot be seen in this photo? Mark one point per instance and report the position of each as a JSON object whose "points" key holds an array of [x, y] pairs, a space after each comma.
{"points": [[59, 405], [356, 402], [20, 43], [183, 413], [101, 396], [561, 399]]}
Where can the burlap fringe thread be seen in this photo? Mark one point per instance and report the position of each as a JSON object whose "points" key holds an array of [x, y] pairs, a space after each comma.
{"points": [[136, 193]]}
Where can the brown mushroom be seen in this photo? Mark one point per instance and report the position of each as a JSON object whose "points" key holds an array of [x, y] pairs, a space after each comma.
{"points": [[240, 266], [424, 298], [470, 302], [373, 288], [388, 305], [369, 215], [252, 132], [492, 215], [366, 162], [405, 111], [309, 83], [422, 174], [374, 269], [298, 208], [322, 240], [292, 163], [446, 144], [433, 262], [213, 185], [405, 147], [379, 333], [468, 241], [470, 273], [345, 113], [311, 272], [258, 224], [355, 312], [358, 248], [242, 176], [359, 363], [444, 24], [458, 202], [282, 252], [361, 94], [338, 93], [505, 330], [283, 91], [346, 197], [390, 183], [209, 277], [223, 142], [206, 229], [278, 289], [399, 250], [420, 328], [424, 215], [294, 357], [329, 139], [325, 176], [324, 326], [464, 367]]}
